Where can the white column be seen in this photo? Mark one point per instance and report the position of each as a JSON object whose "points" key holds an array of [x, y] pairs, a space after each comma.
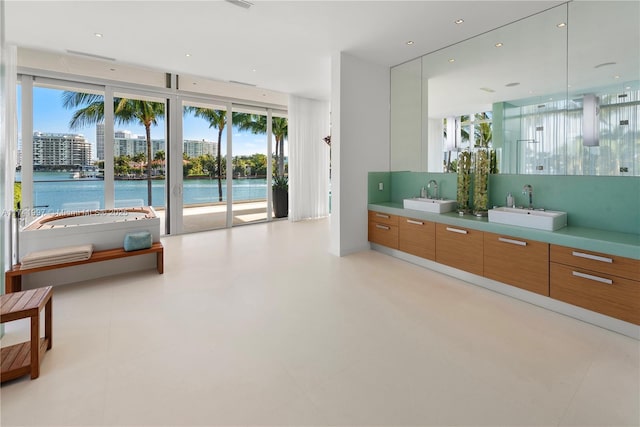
{"points": [[26, 172], [269, 165], [229, 164], [109, 184], [360, 125]]}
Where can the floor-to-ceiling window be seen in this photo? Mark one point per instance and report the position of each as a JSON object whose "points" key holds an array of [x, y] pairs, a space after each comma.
{"points": [[66, 176], [139, 150], [102, 146], [250, 156], [204, 187]]}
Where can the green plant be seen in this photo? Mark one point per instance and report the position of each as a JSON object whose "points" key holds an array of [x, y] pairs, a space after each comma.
{"points": [[280, 183]]}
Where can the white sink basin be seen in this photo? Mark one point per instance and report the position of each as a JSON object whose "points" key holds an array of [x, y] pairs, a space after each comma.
{"points": [[429, 205], [541, 220]]}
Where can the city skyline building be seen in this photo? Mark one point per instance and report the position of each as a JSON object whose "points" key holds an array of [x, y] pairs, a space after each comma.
{"points": [[197, 148], [100, 141], [59, 149]]}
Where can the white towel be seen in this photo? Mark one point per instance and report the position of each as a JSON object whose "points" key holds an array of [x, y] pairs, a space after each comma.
{"points": [[56, 256]]}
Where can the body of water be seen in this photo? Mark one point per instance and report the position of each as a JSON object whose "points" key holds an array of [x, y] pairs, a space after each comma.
{"points": [[55, 191]]}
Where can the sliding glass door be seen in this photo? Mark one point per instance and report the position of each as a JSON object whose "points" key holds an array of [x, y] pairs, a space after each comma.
{"points": [[250, 156], [204, 186]]}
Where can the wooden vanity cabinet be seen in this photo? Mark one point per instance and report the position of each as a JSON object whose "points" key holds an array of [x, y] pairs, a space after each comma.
{"points": [[383, 229], [460, 247], [518, 262], [417, 237], [599, 282]]}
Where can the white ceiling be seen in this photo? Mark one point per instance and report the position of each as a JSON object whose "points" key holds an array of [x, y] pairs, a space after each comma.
{"points": [[288, 43]]}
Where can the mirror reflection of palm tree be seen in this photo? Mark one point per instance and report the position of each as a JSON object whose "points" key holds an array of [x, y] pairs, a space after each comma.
{"points": [[125, 110]]}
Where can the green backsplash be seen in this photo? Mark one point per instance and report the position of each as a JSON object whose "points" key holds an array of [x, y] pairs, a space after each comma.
{"points": [[375, 195], [602, 202]]}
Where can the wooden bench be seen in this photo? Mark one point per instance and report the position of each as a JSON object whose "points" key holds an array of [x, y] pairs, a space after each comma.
{"points": [[13, 277]]}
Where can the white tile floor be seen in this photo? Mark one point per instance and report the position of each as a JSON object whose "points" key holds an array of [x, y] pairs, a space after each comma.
{"points": [[260, 325]]}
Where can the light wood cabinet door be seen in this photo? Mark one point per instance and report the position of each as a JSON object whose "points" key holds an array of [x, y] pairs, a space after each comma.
{"points": [[600, 292], [596, 261], [383, 229], [459, 247], [518, 262], [417, 237]]}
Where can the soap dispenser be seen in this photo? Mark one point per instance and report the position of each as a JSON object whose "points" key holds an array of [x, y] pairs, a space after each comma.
{"points": [[510, 202]]}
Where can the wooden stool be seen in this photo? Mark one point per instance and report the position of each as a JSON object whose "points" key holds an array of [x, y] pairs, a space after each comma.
{"points": [[21, 359]]}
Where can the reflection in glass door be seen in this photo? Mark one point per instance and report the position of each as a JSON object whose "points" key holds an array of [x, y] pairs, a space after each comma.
{"points": [[204, 194]]}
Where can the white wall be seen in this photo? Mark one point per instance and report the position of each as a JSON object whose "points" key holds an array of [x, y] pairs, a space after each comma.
{"points": [[360, 96]]}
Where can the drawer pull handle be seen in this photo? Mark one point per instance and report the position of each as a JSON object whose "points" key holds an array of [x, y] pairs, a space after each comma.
{"points": [[457, 230], [511, 241], [592, 257], [410, 221], [594, 278], [379, 215], [383, 227]]}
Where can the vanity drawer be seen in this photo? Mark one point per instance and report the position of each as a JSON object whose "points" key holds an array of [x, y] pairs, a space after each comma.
{"points": [[382, 234], [460, 248], [417, 237], [600, 292], [518, 262], [383, 218], [383, 229], [595, 261]]}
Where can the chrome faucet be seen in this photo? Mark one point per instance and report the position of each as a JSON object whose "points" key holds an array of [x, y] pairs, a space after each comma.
{"points": [[435, 189], [527, 190]]}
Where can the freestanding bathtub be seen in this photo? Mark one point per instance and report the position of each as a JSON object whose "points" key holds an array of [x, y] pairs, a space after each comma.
{"points": [[105, 229]]}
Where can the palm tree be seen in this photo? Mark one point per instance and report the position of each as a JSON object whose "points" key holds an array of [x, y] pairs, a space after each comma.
{"points": [[257, 124], [217, 120], [125, 111]]}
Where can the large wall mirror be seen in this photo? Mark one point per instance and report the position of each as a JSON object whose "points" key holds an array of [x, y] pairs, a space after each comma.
{"points": [[555, 93]]}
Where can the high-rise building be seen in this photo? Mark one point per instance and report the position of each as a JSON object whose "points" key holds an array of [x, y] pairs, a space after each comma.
{"points": [[196, 148], [100, 141], [59, 149], [127, 144]]}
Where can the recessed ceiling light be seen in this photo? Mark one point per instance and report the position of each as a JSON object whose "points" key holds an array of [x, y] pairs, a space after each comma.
{"points": [[452, 60], [512, 84], [98, 35], [254, 70], [242, 3], [627, 87], [562, 25], [498, 44], [410, 42], [616, 77], [112, 69], [487, 89], [187, 55], [459, 21]]}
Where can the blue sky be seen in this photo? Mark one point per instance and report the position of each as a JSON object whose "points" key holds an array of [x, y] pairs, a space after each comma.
{"points": [[50, 116]]}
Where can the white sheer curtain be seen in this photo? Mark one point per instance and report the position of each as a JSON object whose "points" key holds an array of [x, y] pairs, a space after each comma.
{"points": [[308, 158]]}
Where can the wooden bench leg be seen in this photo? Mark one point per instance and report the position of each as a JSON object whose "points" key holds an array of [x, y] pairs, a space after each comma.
{"points": [[48, 323], [160, 261], [35, 345], [12, 284]]}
